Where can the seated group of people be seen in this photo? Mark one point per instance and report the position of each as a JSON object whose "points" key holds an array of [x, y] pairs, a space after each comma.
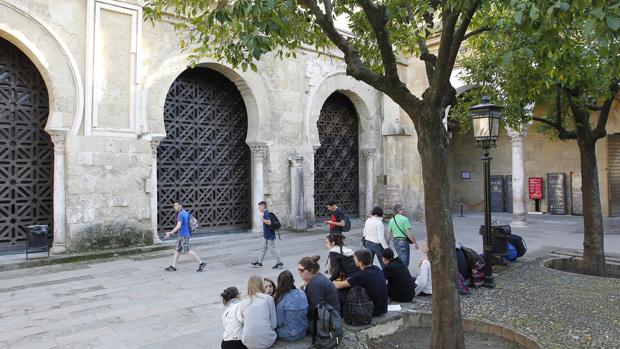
{"points": [[281, 311]]}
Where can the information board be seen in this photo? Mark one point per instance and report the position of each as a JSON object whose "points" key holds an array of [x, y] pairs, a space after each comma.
{"points": [[556, 189], [535, 185]]}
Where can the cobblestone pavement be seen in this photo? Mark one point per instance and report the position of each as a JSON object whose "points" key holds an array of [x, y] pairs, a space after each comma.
{"points": [[130, 302]]}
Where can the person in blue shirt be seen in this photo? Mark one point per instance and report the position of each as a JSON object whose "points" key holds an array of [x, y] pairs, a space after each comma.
{"points": [[270, 238], [291, 309], [182, 245]]}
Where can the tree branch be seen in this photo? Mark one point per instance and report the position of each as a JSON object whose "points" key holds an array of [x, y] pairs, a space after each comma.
{"points": [[476, 32], [599, 131], [459, 35], [377, 18], [563, 134], [430, 60]]}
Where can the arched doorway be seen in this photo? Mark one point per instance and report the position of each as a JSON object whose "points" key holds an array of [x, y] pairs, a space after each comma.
{"points": [[204, 160], [26, 150], [336, 161]]}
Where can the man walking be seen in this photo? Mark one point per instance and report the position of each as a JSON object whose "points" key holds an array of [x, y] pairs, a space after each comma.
{"points": [[182, 245], [337, 219], [270, 238], [400, 227]]}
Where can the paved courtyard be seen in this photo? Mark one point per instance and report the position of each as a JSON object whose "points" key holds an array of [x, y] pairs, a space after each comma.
{"points": [[130, 302]]}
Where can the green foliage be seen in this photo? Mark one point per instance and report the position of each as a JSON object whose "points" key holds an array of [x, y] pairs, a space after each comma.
{"points": [[242, 31], [537, 48]]}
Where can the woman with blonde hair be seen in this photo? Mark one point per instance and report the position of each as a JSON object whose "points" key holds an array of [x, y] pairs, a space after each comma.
{"points": [[258, 313]]}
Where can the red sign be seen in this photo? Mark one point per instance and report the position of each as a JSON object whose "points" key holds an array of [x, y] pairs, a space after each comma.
{"points": [[535, 187]]}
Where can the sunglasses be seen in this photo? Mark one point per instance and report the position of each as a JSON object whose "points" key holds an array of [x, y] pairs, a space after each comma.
{"points": [[301, 270]]}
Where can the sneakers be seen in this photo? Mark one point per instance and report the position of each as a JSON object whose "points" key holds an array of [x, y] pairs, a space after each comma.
{"points": [[257, 264], [278, 265], [201, 266], [170, 268]]}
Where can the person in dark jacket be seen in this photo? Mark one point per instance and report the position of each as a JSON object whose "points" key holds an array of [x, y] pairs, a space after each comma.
{"points": [[399, 281], [340, 262], [318, 288]]}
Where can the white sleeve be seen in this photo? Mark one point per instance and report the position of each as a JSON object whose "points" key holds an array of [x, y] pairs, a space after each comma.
{"points": [[422, 280], [381, 233], [364, 233]]}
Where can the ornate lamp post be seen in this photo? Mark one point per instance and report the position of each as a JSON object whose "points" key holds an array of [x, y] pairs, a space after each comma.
{"points": [[486, 118]]}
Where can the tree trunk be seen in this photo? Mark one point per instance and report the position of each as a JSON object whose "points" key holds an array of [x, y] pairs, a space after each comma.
{"points": [[447, 328], [593, 246]]}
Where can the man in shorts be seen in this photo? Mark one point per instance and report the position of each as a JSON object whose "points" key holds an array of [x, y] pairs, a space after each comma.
{"points": [[182, 245]]}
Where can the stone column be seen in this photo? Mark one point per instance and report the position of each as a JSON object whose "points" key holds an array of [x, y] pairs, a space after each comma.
{"points": [[369, 156], [60, 218], [153, 191], [259, 153], [298, 219], [519, 208]]}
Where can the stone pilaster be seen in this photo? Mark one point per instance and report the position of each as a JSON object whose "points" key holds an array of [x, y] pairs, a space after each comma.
{"points": [[259, 154], [60, 218], [298, 219], [519, 208], [369, 156], [153, 191]]}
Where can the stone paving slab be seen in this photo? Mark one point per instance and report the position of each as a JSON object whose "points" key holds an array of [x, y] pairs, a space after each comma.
{"points": [[130, 302]]}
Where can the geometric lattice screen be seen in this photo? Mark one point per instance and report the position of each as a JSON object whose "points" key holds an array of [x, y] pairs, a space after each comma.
{"points": [[204, 161], [336, 162], [26, 150]]}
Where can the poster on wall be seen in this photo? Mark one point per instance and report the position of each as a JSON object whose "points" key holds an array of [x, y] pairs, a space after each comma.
{"points": [[497, 193], [556, 188], [535, 185], [576, 195]]}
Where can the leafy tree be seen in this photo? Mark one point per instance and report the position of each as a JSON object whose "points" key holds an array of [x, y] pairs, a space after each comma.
{"points": [[241, 31], [564, 56]]}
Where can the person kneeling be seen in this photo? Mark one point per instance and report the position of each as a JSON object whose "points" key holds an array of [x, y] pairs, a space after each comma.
{"points": [[399, 282]]}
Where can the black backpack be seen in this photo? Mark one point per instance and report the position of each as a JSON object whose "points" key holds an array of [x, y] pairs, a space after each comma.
{"points": [[347, 223], [327, 331], [275, 222], [358, 307], [518, 243]]}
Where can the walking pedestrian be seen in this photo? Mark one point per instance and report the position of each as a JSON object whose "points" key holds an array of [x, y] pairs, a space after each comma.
{"points": [[374, 235], [400, 229], [337, 219], [270, 238], [182, 245]]}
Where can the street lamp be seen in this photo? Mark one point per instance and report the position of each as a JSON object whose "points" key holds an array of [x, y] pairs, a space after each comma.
{"points": [[486, 117]]}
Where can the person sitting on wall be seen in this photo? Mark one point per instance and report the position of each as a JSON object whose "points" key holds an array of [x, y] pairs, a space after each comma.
{"points": [[400, 284], [371, 279], [424, 281]]}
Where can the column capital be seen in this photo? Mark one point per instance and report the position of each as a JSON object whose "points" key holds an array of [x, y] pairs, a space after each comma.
{"points": [[154, 146], [259, 151], [296, 160], [59, 141], [517, 134], [369, 154]]}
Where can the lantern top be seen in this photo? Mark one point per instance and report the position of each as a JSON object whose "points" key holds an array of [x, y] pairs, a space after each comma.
{"points": [[485, 105]]}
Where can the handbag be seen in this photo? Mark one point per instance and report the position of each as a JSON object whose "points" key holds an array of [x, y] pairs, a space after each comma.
{"points": [[399, 228]]}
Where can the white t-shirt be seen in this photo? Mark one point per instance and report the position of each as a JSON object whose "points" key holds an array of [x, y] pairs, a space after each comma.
{"points": [[374, 231]]}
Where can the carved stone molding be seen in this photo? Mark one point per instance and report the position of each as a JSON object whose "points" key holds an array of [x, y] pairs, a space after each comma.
{"points": [[259, 151], [296, 160], [369, 154]]}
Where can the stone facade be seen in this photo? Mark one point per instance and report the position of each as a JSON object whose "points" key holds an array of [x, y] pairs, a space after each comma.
{"points": [[108, 73]]}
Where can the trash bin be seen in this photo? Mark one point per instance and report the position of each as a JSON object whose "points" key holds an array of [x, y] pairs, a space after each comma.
{"points": [[500, 235], [37, 239]]}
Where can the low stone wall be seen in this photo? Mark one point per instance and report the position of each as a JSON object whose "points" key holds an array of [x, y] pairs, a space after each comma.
{"points": [[573, 264], [359, 337]]}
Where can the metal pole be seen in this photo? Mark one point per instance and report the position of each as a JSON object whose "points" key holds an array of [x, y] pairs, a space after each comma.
{"points": [[461, 215], [489, 280]]}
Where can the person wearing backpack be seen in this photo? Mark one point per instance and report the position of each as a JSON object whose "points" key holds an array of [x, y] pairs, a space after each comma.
{"points": [[374, 235], [317, 286], [269, 235], [182, 245], [371, 278], [337, 219], [399, 281], [340, 262], [399, 228], [291, 309]]}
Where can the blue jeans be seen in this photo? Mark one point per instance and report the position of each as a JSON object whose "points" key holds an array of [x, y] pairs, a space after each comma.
{"points": [[402, 248], [375, 249]]}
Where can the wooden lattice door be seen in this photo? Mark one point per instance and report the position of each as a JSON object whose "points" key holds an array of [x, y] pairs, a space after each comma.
{"points": [[204, 160], [26, 150], [336, 162]]}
